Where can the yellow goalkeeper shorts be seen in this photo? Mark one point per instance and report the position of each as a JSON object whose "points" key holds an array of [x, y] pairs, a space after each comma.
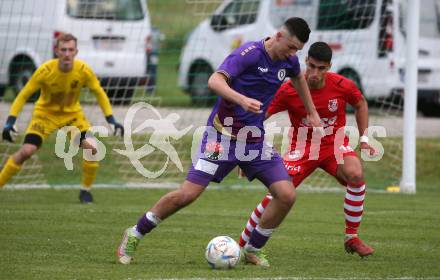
{"points": [[44, 123]]}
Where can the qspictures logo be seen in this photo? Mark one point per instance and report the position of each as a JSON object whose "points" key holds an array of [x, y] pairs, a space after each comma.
{"points": [[162, 132]]}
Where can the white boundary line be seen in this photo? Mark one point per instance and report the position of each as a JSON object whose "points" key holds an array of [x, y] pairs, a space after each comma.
{"points": [[171, 185], [312, 278]]}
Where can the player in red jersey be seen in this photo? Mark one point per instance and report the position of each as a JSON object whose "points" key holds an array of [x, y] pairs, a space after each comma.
{"points": [[308, 151]]}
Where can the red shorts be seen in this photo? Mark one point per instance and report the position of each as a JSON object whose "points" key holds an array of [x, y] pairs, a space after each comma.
{"points": [[300, 164]]}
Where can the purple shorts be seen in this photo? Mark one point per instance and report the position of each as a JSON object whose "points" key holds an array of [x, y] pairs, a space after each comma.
{"points": [[218, 155]]}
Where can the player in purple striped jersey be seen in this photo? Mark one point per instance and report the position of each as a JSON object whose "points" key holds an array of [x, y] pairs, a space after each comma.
{"points": [[245, 82]]}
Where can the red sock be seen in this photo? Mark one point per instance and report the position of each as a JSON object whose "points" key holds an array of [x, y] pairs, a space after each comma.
{"points": [[254, 219], [354, 207]]}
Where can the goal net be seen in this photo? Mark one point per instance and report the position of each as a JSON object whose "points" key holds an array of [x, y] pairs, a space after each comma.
{"points": [[163, 52]]}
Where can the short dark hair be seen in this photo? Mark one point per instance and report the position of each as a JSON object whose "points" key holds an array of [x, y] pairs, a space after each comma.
{"points": [[298, 27], [320, 51], [65, 37]]}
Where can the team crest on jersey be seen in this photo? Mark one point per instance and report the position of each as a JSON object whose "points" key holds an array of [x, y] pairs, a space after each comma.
{"points": [[213, 150], [281, 74], [74, 84], [333, 105]]}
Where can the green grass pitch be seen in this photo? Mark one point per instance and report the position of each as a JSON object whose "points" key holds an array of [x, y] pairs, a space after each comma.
{"points": [[47, 234]]}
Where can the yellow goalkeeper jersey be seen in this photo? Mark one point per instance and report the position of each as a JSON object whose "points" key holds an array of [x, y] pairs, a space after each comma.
{"points": [[59, 91]]}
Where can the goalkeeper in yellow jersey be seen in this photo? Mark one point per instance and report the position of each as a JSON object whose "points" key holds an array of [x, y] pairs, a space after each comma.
{"points": [[59, 81]]}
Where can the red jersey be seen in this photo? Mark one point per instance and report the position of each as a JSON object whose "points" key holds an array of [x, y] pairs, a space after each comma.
{"points": [[329, 101]]}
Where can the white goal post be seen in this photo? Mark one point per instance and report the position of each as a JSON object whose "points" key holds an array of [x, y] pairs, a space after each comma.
{"points": [[408, 183]]}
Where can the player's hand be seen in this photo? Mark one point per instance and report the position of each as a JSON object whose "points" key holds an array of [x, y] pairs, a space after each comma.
{"points": [[315, 122], [10, 130], [251, 105], [118, 129], [367, 149], [9, 133]]}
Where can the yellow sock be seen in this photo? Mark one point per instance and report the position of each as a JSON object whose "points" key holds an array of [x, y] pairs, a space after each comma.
{"points": [[9, 170], [89, 173]]}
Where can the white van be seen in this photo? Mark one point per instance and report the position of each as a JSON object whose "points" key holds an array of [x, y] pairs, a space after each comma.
{"points": [[367, 38], [114, 38]]}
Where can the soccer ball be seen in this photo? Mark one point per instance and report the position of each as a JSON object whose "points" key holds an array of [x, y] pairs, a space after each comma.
{"points": [[222, 252]]}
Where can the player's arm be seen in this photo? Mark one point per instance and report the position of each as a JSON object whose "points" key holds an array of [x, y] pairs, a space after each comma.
{"points": [[9, 131], [232, 67], [218, 83], [279, 102], [104, 103], [30, 88], [355, 98], [300, 84], [361, 114]]}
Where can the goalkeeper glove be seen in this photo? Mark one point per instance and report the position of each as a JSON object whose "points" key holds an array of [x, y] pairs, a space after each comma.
{"points": [[118, 129], [10, 130]]}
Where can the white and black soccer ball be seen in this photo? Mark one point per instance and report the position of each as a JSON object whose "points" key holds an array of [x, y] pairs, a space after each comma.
{"points": [[222, 252]]}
